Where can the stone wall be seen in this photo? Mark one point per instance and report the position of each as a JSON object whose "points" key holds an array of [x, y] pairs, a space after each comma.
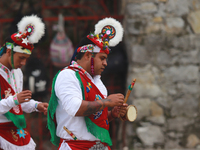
{"points": [[163, 45]]}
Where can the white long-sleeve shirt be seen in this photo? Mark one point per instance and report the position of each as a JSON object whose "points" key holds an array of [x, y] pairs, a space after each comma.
{"points": [[68, 91], [7, 103]]}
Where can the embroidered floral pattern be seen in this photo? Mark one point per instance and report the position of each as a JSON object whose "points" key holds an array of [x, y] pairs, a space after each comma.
{"points": [[14, 135], [98, 114], [109, 30], [21, 133], [103, 38], [88, 87], [8, 93], [16, 109], [98, 97], [86, 48]]}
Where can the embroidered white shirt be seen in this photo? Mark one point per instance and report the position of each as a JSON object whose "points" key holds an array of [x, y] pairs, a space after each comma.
{"points": [[68, 91], [8, 103]]}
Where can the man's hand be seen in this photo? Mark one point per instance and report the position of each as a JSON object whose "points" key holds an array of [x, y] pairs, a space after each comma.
{"points": [[42, 107], [115, 100], [89, 107], [117, 109], [24, 96]]}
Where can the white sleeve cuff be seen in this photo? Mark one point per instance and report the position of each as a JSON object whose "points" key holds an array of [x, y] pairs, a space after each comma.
{"points": [[29, 107], [6, 104]]}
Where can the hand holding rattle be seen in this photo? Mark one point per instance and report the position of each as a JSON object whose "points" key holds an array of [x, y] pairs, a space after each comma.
{"points": [[131, 109]]}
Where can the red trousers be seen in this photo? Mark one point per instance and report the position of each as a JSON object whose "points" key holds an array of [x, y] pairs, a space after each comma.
{"points": [[83, 145]]}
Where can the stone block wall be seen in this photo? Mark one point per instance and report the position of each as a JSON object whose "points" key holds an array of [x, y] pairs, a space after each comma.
{"points": [[163, 45]]}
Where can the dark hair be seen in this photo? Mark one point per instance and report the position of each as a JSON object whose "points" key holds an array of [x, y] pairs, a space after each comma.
{"points": [[79, 56], [84, 41], [8, 39]]}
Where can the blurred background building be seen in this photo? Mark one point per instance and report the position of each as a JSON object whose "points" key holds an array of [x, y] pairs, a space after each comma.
{"points": [[161, 49]]}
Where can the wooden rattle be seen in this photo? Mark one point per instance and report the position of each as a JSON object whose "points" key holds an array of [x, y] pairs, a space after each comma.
{"points": [[131, 113]]}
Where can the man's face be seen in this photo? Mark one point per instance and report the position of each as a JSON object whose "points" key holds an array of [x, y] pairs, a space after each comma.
{"points": [[100, 63], [20, 59]]}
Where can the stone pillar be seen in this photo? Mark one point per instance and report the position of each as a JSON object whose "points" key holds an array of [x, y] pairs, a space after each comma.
{"points": [[163, 46]]}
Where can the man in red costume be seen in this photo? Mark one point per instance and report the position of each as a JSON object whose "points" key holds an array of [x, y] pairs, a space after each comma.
{"points": [[79, 100], [13, 100]]}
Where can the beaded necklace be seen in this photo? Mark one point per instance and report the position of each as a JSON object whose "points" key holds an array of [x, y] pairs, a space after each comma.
{"points": [[8, 76]]}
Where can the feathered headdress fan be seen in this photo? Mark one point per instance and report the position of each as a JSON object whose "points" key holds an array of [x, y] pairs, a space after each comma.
{"points": [[30, 31], [112, 28], [108, 32]]}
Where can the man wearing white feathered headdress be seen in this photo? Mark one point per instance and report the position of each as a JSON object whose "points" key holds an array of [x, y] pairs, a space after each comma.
{"points": [[79, 99], [13, 100]]}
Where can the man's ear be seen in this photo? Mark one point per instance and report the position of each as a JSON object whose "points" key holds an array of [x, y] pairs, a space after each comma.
{"points": [[8, 52], [87, 55]]}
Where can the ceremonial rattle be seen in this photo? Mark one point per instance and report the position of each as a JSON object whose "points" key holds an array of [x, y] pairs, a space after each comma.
{"points": [[131, 113]]}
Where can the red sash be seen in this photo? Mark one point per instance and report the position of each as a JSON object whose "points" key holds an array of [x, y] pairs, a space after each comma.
{"points": [[84, 145], [8, 130], [92, 93], [15, 136], [6, 91], [97, 123]]}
